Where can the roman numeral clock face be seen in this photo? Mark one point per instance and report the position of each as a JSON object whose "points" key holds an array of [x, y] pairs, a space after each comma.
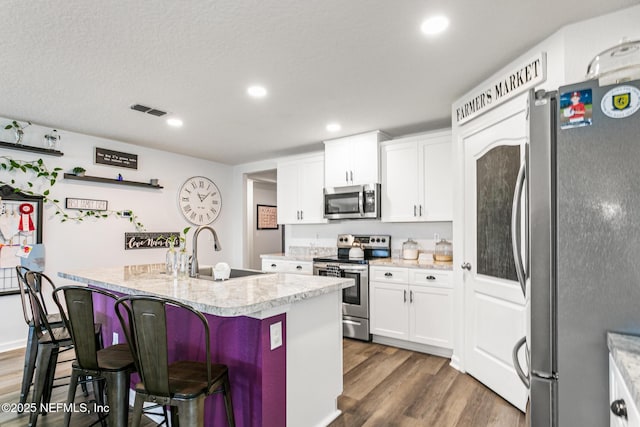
{"points": [[199, 200]]}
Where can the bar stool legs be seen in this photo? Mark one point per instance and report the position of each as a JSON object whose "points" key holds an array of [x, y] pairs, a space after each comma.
{"points": [[29, 363]]}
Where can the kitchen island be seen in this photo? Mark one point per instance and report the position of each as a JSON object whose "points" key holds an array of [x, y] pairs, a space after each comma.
{"points": [[279, 334]]}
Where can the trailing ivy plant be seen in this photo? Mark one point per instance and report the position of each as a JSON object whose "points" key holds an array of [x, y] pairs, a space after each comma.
{"points": [[48, 177]]}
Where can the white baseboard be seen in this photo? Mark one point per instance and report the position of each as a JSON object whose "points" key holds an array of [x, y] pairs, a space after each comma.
{"points": [[330, 418], [455, 364], [12, 345], [407, 345]]}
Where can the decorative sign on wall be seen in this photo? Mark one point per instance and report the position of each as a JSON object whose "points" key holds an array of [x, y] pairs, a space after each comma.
{"points": [[86, 204], [267, 217], [150, 240], [524, 77], [116, 158]]}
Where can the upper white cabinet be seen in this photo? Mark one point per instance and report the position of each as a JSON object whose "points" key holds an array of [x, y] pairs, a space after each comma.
{"points": [[300, 190], [417, 178], [353, 160]]}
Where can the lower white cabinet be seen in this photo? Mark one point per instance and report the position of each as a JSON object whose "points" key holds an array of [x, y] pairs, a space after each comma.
{"points": [[620, 397], [412, 304], [272, 265]]}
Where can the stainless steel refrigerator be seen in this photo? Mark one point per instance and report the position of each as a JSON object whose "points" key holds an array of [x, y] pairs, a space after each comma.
{"points": [[579, 260]]}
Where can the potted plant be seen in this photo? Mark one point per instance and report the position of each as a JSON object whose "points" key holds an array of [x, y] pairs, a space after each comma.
{"points": [[78, 171], [18, 128]]}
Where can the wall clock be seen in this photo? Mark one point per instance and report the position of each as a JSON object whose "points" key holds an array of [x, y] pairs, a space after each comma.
{"points": [[199, 200]]}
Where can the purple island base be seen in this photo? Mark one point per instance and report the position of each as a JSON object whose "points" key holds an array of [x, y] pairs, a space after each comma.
{"points": [[257, 373]]}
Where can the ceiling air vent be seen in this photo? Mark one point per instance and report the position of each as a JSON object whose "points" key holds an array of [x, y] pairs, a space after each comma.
{"points": [[157, 113], [148, 110]]}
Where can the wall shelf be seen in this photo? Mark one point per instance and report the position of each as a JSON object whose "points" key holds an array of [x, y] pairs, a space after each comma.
{"points": [[110, 181], [20, 147]]}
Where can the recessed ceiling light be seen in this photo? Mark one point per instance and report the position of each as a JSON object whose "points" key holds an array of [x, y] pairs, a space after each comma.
{"points": [[435, 25], [334, 127], [257, 91], [175, 122]]}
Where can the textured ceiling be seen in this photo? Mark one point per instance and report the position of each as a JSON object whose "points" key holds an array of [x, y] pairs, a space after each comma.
{"points": [[79, 64]]}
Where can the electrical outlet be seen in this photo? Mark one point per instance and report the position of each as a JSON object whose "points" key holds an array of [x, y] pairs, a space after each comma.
{"points": [[275, 332], [116, 339]]}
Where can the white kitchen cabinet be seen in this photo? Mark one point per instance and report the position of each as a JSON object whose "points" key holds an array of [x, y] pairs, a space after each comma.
{"points": [[417, 178], [414, 305], [353, 160], [278, 265], [618, 391], [300, 190]]}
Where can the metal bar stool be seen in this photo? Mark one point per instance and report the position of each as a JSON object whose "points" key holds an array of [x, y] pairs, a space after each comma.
{"points": [[50, 341], [181, 384], [54, 320], [114, 364]]}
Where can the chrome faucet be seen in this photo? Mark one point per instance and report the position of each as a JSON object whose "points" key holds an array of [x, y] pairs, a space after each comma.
{"points": [[194, 260]]}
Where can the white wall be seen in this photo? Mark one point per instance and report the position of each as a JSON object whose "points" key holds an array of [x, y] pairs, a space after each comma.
{"points": [[584, 40], [100, 243]]}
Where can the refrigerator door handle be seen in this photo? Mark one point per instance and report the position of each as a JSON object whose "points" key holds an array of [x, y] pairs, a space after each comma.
{"points": [[515, 226], [525, 378]]}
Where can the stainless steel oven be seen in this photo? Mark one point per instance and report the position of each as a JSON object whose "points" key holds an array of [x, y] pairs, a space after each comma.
{"points": [[355, 299], [352, 202]]}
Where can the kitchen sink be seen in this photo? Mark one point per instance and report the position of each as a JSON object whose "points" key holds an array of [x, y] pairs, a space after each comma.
{"points": [[206, 273]]}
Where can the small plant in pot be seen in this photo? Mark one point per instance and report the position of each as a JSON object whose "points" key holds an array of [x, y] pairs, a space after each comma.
{"points": [[78, 171], [18, 128]]}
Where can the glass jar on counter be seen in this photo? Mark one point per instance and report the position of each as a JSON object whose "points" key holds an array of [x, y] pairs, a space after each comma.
{"points": [[443, 251], [410, 249]]}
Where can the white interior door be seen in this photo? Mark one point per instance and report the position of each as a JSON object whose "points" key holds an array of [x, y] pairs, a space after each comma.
{"points": [[494, 304]]}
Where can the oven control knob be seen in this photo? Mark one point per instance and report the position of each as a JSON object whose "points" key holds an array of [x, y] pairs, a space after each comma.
{"points": [[384, 240]]}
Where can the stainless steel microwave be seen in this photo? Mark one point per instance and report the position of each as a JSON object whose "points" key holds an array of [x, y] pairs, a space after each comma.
{"points": [[352, 202]]}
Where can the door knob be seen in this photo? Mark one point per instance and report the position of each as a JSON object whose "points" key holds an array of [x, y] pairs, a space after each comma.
{"points": [[466, 266]]}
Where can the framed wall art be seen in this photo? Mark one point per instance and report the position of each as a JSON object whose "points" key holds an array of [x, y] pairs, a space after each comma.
{"points": [[267, 217]]}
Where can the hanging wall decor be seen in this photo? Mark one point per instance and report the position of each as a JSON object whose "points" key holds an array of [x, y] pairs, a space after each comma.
{"points": [[20, 236]]}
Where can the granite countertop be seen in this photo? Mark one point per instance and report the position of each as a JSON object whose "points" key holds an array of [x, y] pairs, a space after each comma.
{"points": [[399, 262], [625, 350], [286, 257], [229, 298]]}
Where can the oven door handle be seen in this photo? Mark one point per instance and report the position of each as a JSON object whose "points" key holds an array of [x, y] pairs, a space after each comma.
{"points": [[351, 322]]}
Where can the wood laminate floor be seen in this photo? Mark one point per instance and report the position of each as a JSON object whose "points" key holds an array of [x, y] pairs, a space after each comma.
{"points": [[386, 386], [383, 386], [11, 364]]}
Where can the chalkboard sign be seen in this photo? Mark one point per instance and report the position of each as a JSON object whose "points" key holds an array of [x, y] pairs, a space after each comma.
{"points": [[116, 158], [150, 240]]}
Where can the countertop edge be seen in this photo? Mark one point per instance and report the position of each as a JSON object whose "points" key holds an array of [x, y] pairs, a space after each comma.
{"points": [[217, 310], [401, 263], [625, 350]]}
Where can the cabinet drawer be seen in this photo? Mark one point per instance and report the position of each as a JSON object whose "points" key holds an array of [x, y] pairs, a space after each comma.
{"points": [[287, 266], [272, 265], [430, 278], [389, 274], [300, 267]]}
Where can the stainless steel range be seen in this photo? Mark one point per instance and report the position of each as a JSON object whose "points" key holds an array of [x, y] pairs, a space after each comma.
{"points": [[355, 300]]}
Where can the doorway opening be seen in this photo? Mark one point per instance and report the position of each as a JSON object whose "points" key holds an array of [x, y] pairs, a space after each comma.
{"points": [[262, 238]]}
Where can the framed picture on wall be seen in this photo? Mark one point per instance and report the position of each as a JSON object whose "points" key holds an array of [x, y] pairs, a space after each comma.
{"points": [[267, 217]]}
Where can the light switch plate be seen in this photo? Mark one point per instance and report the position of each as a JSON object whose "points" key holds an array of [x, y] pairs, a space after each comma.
{"points": [[275, 332], [115, 339]]}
